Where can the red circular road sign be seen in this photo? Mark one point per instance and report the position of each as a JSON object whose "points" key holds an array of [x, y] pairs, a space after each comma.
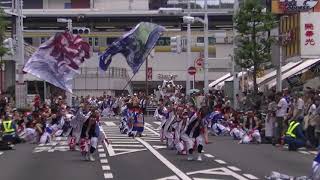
{"points": [[192, 70]]}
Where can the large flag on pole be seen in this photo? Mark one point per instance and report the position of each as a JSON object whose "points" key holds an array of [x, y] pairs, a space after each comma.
{"points": [[135, 46], [58, 60]]}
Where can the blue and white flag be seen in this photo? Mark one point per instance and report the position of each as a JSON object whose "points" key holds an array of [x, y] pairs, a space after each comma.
{"points": [[58, 60], [135, 45]]}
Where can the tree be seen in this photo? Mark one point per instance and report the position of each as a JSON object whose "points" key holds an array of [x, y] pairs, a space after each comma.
{"points": [[3, 49], [254, 45]]}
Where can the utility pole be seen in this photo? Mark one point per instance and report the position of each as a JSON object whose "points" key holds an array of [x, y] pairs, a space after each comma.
{"points": [[234, 71], [188, 52], [21, 87], [206, 47], [147, 73]]}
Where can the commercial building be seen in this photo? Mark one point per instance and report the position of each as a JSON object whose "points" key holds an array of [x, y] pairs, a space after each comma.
{"points": [[101, 22]]}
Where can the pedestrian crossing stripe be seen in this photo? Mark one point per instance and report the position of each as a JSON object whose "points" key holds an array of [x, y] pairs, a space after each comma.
{"points": [[121, 151]]}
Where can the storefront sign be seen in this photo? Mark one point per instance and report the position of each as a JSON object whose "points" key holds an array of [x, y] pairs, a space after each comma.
{"points": [[294, 6], [309, 34], [167, 76], [297, 5]]}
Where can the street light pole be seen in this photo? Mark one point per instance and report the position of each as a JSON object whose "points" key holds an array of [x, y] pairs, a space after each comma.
{"points": [[279, 73], [20, 88], [234, 71], [188, 52], [206, 46]]}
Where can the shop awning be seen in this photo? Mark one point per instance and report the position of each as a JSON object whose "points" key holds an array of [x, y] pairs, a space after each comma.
{"points": [[223, 78], [221, 84], [300, 68], [273, 73]]}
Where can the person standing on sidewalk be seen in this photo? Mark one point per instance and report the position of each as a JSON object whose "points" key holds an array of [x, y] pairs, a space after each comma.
{"points": [[281, 112]]}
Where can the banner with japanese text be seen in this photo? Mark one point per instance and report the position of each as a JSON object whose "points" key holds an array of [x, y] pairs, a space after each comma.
{"points": [[309, 34]]}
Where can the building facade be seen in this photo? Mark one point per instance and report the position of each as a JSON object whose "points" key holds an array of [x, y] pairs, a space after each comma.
{"points": [[101, 22]]}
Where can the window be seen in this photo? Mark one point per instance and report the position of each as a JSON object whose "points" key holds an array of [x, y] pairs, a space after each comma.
{"points": [[90, 41], [110, 40], [212, 40], [200, 39], [163, 41], [96, 41], [28, 40], [67, 5]]}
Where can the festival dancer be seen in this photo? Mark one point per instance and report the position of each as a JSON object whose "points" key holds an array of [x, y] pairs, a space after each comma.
{"points": [[89, 136], [193, 135], [76, 124]]}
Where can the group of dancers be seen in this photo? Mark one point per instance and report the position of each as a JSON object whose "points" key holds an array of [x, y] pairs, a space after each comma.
{"points": [[80, 125], [185, 127]]}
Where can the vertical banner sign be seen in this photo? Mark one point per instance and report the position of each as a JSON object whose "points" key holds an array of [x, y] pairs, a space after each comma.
{"points": [[149, 73], [309, 34]]}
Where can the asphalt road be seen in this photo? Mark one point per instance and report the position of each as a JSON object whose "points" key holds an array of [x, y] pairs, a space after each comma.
{"points": [[147, 158]]}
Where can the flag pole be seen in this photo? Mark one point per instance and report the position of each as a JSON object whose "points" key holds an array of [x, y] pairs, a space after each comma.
{"points": [[131, 78]]}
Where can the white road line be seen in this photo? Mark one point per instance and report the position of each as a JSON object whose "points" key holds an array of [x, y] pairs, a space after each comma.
{"points": [[123, 137], [117, 136], [105, 168], [125, 142], [109, 147], [173, 168], [304, 152], [233, 168], [100, 150], [124, 149], [154, 132], [209, 155], [103, 161], [314, 152], [127, 145], [156, 122], [108, 175], [219, 171], [250, 176], [1, 153], [51, 150], [102, 155], [159, 146], [100, 146], [152, 140], [220, 161], [110, 123]]}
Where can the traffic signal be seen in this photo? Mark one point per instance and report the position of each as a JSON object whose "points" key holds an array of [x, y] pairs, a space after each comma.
{"points": [[175, 43], [80, 30], [8, 44]]}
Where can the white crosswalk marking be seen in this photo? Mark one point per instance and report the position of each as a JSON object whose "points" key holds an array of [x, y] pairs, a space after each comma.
{"points": [[105, 168], [209, 155], [110, 123], [59, 144], [122, 144], [220, 161], [108, 175], [250, 176], [233, 168]]}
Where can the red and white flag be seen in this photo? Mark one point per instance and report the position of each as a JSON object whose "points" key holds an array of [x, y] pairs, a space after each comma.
{"points": [[58, 60]]}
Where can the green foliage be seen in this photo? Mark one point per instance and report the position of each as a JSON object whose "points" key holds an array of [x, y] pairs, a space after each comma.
{"points": [[254, 45], [3, 25]]}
